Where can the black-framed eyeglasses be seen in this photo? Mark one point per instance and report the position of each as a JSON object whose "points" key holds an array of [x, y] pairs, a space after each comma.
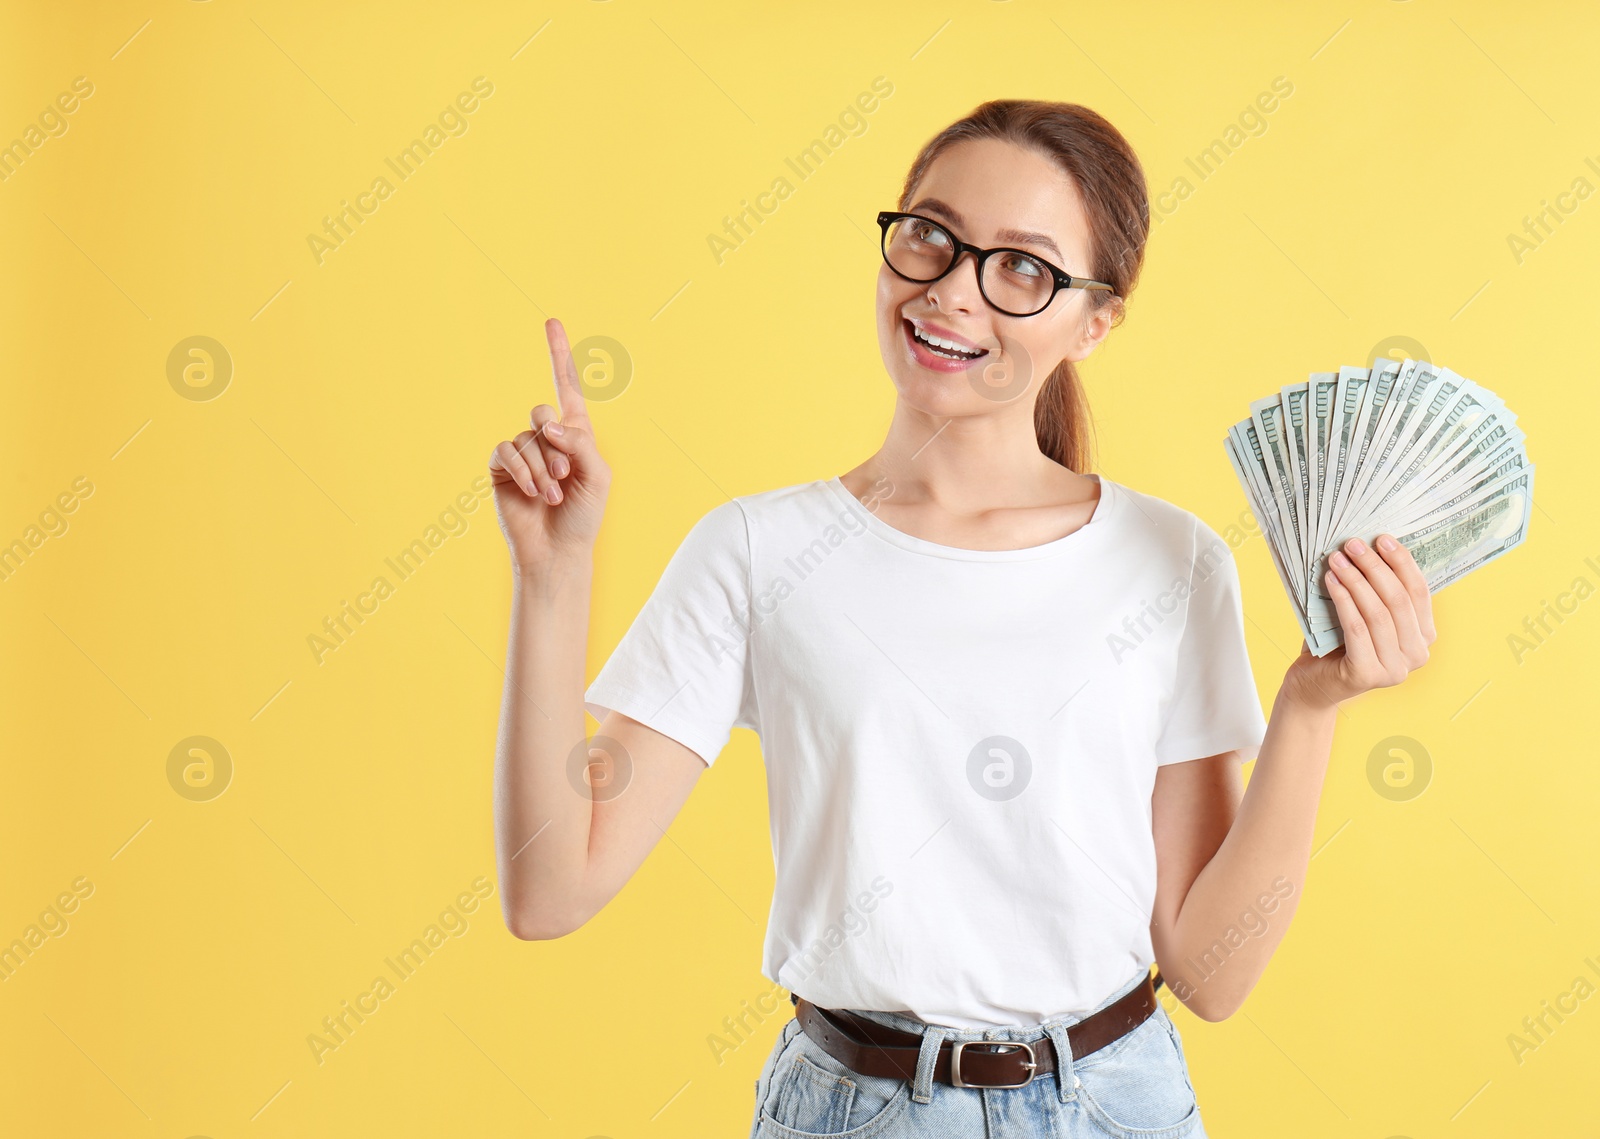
{"points": [[1018, 284]]}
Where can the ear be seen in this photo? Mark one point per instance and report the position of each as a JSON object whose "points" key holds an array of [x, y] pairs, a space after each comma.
{"points": [[1096, 326]]}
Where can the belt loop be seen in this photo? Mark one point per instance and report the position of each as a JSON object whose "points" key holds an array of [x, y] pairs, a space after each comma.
{"points": [[933, 1036], [1066, 1079]]}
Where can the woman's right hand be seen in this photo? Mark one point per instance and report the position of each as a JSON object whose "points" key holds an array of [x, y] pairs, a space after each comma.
{"points": [[550, 483]]}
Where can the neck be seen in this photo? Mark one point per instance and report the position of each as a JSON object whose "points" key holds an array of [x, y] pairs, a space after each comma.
{"points": [[971, 462]]}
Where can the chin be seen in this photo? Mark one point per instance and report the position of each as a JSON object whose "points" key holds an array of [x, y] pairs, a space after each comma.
{"points": [[933, 394]]}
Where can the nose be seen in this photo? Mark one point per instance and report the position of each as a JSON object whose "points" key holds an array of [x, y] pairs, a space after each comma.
{"points": [[957, 290]]}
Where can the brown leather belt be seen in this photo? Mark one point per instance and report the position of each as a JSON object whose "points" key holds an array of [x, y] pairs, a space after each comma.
{"points": [[875, 1049]]}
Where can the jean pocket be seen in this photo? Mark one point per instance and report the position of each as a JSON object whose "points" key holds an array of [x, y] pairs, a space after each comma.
{"points": [[1142, 1091], [812, 1094], [764, 1081]]}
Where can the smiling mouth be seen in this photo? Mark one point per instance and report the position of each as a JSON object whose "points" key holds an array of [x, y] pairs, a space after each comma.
{"points": [[942, 348]]}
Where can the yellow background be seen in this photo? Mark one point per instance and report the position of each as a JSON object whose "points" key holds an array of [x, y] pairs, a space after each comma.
{"points": [[369, 389]]}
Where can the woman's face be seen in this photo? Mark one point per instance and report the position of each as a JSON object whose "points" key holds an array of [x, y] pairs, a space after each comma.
{"points": [[989, 193]]}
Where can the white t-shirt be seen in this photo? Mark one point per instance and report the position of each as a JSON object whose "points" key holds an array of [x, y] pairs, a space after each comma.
{"points": [[960, 744]]}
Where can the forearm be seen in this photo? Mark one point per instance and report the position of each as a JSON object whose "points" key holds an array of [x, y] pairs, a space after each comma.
{"points": [[542, 814], [1239, 906]]}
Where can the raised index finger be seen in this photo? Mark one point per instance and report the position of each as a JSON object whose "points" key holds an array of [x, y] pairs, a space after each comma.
{"points": [[569, 396]]}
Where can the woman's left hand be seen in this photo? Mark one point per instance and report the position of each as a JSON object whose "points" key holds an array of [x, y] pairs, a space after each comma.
{"points": [[1386, 615]]}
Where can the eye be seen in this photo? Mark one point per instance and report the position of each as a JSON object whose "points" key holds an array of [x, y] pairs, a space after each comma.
{"points": [[928, 233], [1021, 266]]}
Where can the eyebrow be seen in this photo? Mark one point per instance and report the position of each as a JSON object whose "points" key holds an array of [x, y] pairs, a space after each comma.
{"points": [[935, 206]]}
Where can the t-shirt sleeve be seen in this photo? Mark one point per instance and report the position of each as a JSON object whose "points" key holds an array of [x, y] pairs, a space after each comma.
{"points": [[683, 666], [1213, 707]]}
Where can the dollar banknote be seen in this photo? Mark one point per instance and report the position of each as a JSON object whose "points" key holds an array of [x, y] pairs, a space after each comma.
{"points": [[1405, 447]]}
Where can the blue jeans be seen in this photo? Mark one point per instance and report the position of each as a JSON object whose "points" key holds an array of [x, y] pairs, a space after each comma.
{"points": [[1136, 1087]]}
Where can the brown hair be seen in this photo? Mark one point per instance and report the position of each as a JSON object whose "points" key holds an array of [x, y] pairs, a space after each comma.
{"points": [[1111, 181]]}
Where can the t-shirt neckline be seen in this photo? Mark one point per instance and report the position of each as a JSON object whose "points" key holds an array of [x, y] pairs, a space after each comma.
{"points": [[1110, 493]]}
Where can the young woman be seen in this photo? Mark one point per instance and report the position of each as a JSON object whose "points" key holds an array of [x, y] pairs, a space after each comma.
{"points": [[1003, 701]]}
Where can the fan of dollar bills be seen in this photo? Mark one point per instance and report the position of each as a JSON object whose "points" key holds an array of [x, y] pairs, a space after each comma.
{"points": [[1404, 447]]}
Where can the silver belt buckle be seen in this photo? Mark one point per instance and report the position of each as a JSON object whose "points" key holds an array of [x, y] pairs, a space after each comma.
{"points": [[955, 1062]]}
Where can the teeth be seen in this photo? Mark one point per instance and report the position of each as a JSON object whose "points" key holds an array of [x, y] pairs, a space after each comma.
{"points": [[940, 342]]}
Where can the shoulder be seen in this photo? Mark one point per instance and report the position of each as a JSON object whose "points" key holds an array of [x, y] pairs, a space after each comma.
{"points": [[790, 498], [1162, 528], [738, 521], [802, 505]]}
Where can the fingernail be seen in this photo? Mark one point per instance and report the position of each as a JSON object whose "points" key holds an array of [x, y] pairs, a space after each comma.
{"points": [[1387, 543], [558, 466], [1356, 547], [1338, 559], [553, 427], [553, 494]]}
